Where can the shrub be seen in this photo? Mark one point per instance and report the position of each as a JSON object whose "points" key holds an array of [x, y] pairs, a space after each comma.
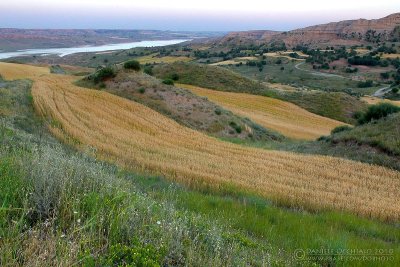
{"points": [[377, 112], [148, 70], [102, 74], [218, 111], [395, 90], [350, 70], [365, 84], [385, 75], [132, 65], [175, 77], [142, 90], [341, 128], [137, 255], [235, 126], [168, 82]]}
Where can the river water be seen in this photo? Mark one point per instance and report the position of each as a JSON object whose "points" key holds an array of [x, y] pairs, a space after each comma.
{"points": [[72, 50]]}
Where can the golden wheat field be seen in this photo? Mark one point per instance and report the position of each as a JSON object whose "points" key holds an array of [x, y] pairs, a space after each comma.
{"points": [[286, 118], [237, 60], [139, 138]]}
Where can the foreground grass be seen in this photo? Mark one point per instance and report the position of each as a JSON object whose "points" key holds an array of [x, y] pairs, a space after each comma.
{"points": [[62, 208]]}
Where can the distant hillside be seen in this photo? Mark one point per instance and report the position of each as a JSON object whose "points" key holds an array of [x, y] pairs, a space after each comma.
{"points": [[237, 38], [348, 32], [17, 39]]}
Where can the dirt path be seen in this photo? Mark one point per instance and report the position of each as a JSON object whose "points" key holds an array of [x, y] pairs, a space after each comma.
{"points": [[382, 91], [317, 73]]}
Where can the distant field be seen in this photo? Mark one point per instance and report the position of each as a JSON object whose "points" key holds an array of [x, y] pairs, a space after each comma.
{"points": [[234, 61], [284, 117], [391, 56], [375, 100], [287, 73], [135, 136], [153, 58]]}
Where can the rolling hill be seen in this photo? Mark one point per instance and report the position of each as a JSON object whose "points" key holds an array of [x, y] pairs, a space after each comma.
{"points": [[349, 32], [284, 117], [137, 137]]}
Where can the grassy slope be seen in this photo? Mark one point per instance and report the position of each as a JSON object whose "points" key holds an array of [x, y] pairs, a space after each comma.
{"points": [[117, 207], [212, 77], [383, 134], [184, 107], [338, 106], [335, 105]]}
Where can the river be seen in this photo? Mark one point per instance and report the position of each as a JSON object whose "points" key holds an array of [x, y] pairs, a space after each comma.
{"points": [[72, 50]]}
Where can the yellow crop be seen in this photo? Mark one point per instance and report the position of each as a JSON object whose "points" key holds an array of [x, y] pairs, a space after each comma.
{"points": [[284, 117], [376, 100], [137, 137]]}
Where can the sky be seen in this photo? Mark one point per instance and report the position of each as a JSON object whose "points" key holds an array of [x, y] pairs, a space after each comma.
{"points": [[200, 15]]}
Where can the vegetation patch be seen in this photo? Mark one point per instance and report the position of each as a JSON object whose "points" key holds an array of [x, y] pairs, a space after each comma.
{"points": [[132, 65]]}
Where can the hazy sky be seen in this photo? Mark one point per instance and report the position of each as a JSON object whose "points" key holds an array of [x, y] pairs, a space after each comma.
{"points": [[213, 15]]}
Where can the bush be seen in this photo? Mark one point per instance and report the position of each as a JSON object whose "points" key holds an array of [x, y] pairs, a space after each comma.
{"points": [[218, 111], [377, 112], [385, 75], [102, 74], [237, 128], [341, 129], [137, 255], [365, 84], [142, 90], [175, 77], [350, 70], [132, 65], [168, 82], [148, 70], [395, 90]]}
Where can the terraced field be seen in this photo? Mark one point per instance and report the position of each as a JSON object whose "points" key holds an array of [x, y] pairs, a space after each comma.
{"points": [[139, 138], [284, 117]]}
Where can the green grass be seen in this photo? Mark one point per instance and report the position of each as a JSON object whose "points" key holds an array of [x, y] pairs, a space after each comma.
{"points": [[382, 134], [300, 78], [59, 206], [207, 76], [335, 105]]}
